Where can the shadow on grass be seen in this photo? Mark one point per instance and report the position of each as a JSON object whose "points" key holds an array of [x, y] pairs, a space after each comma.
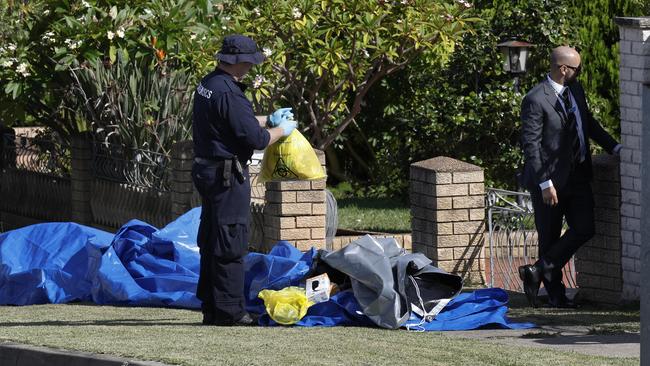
{"points": [[108, 322], [592, 320], [586, 339]]}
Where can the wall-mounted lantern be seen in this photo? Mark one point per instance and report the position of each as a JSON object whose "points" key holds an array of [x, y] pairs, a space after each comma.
{"points": [[515, 54]]}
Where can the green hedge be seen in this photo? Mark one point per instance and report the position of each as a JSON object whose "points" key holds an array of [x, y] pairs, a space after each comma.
{"points": [[469, 109]]}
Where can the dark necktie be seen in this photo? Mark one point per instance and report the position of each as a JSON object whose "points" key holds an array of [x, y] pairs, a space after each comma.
{"points": [[571, 127]]}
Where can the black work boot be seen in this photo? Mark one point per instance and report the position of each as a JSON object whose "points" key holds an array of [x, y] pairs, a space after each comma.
{"points": [[208, 319], [246, 320]]}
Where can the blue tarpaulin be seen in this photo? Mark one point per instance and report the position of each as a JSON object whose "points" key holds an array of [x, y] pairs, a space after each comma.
{"points": [[141, 265]]}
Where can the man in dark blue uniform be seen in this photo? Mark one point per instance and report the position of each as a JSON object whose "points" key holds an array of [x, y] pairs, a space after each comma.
{"points": [[225, 133]]}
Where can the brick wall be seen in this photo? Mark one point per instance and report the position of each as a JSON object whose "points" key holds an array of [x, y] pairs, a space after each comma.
{"points": [[634, 72], [598, 262], [448, 213], [181, 185], [81, 178]]}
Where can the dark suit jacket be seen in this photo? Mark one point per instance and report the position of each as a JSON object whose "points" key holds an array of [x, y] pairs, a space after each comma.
{"points": [[544, 138]]}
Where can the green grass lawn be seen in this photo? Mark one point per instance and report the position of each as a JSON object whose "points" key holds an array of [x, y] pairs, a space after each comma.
{"points": [[388, 215], [174, 336]]}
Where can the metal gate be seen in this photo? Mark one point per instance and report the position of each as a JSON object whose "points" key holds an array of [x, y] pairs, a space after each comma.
{"points": [[513, 239]]}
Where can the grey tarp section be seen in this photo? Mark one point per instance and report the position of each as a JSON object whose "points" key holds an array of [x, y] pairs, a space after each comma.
{"points": [[379, 271]]}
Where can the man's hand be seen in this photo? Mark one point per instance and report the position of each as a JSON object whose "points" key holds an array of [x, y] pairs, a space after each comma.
{"points": [[549, 196], [277, 117], [617, 150]]}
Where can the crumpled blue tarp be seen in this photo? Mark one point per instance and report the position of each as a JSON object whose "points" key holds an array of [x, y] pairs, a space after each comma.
{"points": [[139, 265], [143, 266], [483, 307], [46, 263]]}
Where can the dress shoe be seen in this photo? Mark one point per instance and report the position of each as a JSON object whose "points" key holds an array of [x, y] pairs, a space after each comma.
{"points": [[531, 277]]}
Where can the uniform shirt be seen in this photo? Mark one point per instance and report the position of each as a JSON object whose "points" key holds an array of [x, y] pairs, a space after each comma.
{"points": [[223, 122]]}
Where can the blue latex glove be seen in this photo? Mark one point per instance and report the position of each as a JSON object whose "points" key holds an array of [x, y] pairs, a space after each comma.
{"points": [[288, 125], [278, 116]]}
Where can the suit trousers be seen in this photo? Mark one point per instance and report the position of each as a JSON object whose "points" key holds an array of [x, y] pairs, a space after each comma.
{"points": [[576, 204]]}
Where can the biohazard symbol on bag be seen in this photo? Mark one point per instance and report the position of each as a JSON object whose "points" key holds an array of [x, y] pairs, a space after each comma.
{"points": [[283, 171], [293, 158]]}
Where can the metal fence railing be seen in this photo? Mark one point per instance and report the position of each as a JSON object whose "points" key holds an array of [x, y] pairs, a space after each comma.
{"points": [[512, 239], [130, 183], [137, 167], [48, 156], [35, 178]]}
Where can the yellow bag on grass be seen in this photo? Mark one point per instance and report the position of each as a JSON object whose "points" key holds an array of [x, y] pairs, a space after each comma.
{"points": [[286, 306], [291, 157]]}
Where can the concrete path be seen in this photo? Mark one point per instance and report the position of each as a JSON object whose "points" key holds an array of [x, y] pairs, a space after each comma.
{"points": [[14, 354], [562, 338], [570, 338]]}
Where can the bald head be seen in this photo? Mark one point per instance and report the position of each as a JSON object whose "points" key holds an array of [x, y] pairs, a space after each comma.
{"points": [[565, 64], [565, 55]]}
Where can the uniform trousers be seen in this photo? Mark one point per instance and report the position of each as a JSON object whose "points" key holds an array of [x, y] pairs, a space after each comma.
{"points": [[223, 243]]}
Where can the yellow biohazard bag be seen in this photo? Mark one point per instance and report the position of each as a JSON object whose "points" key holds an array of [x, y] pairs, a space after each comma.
{"points": [[291, 157], [286, 306]]}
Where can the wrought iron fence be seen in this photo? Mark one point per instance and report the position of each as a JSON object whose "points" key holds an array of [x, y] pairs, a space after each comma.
{"points": [[136, 167], [513, 239], [35, 177], [49, 156], [258, 189]]}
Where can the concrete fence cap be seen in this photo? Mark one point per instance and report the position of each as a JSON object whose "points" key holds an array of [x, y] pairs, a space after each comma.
{"points": [[445, 164]]}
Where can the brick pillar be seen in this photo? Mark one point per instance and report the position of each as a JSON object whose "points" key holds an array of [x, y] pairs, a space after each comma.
{"points": [[295, 211], [644, 261], [81, 178], [598, 262], [634, 72], [7, 147], [448, 215], [181, 178], [635, 164]]}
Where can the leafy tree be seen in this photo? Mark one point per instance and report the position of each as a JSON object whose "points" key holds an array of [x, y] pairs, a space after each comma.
{"points": [[467, 110], [324, 56], [46, 42], [598, 42]]}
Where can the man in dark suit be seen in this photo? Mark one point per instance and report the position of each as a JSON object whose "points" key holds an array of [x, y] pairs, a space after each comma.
{"points": [[556, 128]]}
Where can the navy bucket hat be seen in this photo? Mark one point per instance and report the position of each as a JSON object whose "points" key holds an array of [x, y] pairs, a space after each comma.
{"points": [[237, 48]]}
